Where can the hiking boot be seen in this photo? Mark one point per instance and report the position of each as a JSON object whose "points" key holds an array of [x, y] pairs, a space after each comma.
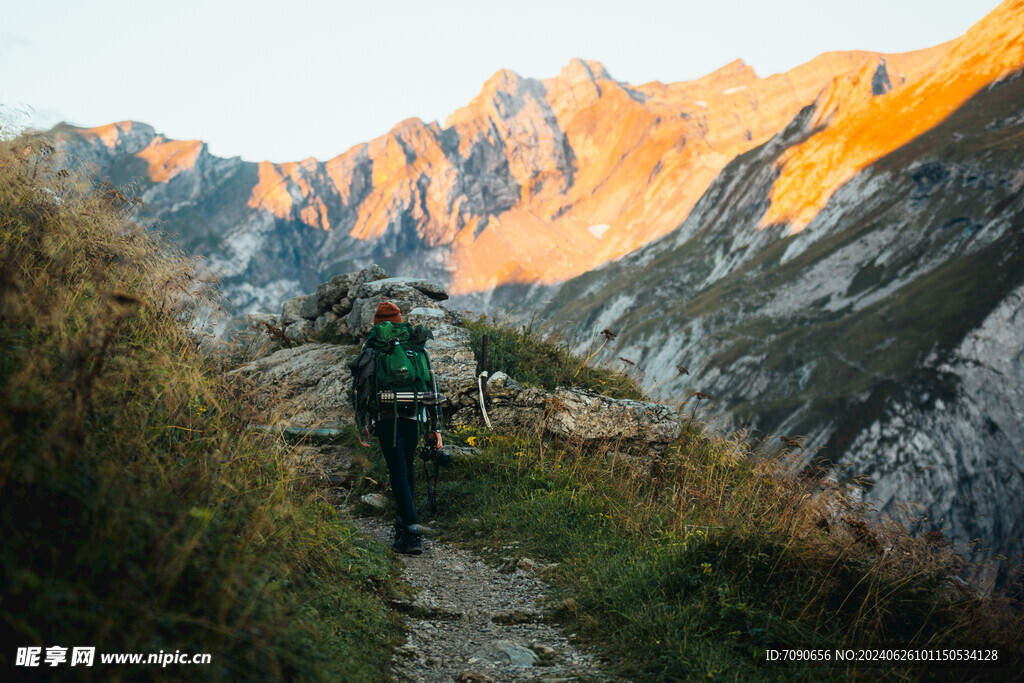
{"points": [[408, 542]]}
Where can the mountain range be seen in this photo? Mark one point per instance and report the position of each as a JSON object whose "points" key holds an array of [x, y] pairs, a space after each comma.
{"points": [[534, 181], [833, 253]]}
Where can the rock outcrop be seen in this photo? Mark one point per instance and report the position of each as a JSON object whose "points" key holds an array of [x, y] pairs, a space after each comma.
{"points": [[309, 385], [344, 306], [576, 416], [310, 382]]}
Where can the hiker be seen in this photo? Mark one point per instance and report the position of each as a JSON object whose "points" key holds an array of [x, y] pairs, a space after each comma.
{"points": [[394, 394]]}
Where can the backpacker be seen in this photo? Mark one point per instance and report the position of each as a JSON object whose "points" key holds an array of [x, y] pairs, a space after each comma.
{"points": [[392, 373]]}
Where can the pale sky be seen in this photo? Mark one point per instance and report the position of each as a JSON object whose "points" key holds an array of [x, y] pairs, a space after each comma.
{"points": [[287, 80]]}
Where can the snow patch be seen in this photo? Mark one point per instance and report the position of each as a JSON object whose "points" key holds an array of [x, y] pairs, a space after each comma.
{"points": [[599, 230], [729, 91]]}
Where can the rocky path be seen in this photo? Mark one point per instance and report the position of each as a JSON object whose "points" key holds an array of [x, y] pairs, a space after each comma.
{"points": [[471, 622]]}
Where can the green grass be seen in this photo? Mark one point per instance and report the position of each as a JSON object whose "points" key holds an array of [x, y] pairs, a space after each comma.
{"points": [[138, 512], [520, 352]]}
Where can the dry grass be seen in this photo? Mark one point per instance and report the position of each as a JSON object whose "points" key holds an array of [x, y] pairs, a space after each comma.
{"points": [[138, 512]]}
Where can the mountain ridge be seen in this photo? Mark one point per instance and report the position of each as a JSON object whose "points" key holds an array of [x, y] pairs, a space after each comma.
{"points": [[522, 185]]}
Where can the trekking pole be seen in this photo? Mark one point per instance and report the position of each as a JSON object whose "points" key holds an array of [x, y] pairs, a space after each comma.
{"points": [[483, 407], [431, 495], [432, 486], [481, 382], [435, 448]]}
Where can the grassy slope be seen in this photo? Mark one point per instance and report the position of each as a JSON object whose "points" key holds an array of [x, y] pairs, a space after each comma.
{"points": [[694, 562], [138, 513], [520, 352]]}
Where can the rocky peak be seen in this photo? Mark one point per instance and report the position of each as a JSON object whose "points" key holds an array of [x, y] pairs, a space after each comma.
{"points": [[734, 74], [993, 45], [129, 136], [862, 130], [168, 158], [502, 97], [849, 92], [102, 144], [576, 86], [582, 70], [503, 80]]}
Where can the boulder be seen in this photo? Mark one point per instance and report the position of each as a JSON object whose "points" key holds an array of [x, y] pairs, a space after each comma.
{"points": [[425, 315], [353, 299], [334, 296], [576, 415], [308, 385], [299, 308], [338, 293], [399, 285], [375, 500], [299, 331], [453, 360], [409, 294], [334, 291], [326, 322], [504, 653]]}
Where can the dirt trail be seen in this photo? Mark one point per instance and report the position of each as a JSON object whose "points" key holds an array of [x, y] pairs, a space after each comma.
{"points": [[471, 622]]}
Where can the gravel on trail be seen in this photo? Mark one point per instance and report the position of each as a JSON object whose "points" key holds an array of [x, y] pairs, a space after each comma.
{"points": [[471, 622]]}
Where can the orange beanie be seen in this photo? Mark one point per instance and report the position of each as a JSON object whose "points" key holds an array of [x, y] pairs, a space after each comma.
{"points": [[387, 311]]}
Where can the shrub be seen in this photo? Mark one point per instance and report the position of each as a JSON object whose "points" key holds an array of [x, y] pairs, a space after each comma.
{"points": [[527, 357]]}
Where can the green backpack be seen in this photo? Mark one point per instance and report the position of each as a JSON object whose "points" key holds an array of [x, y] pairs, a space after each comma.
{"points": [[401, 357], [394, 359]]}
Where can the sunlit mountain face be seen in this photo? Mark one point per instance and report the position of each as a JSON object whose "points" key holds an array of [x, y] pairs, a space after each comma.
{"points": [[834, 252]]}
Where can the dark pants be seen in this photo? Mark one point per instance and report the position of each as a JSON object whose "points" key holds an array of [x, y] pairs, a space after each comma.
{"points": [[399, 448]]}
